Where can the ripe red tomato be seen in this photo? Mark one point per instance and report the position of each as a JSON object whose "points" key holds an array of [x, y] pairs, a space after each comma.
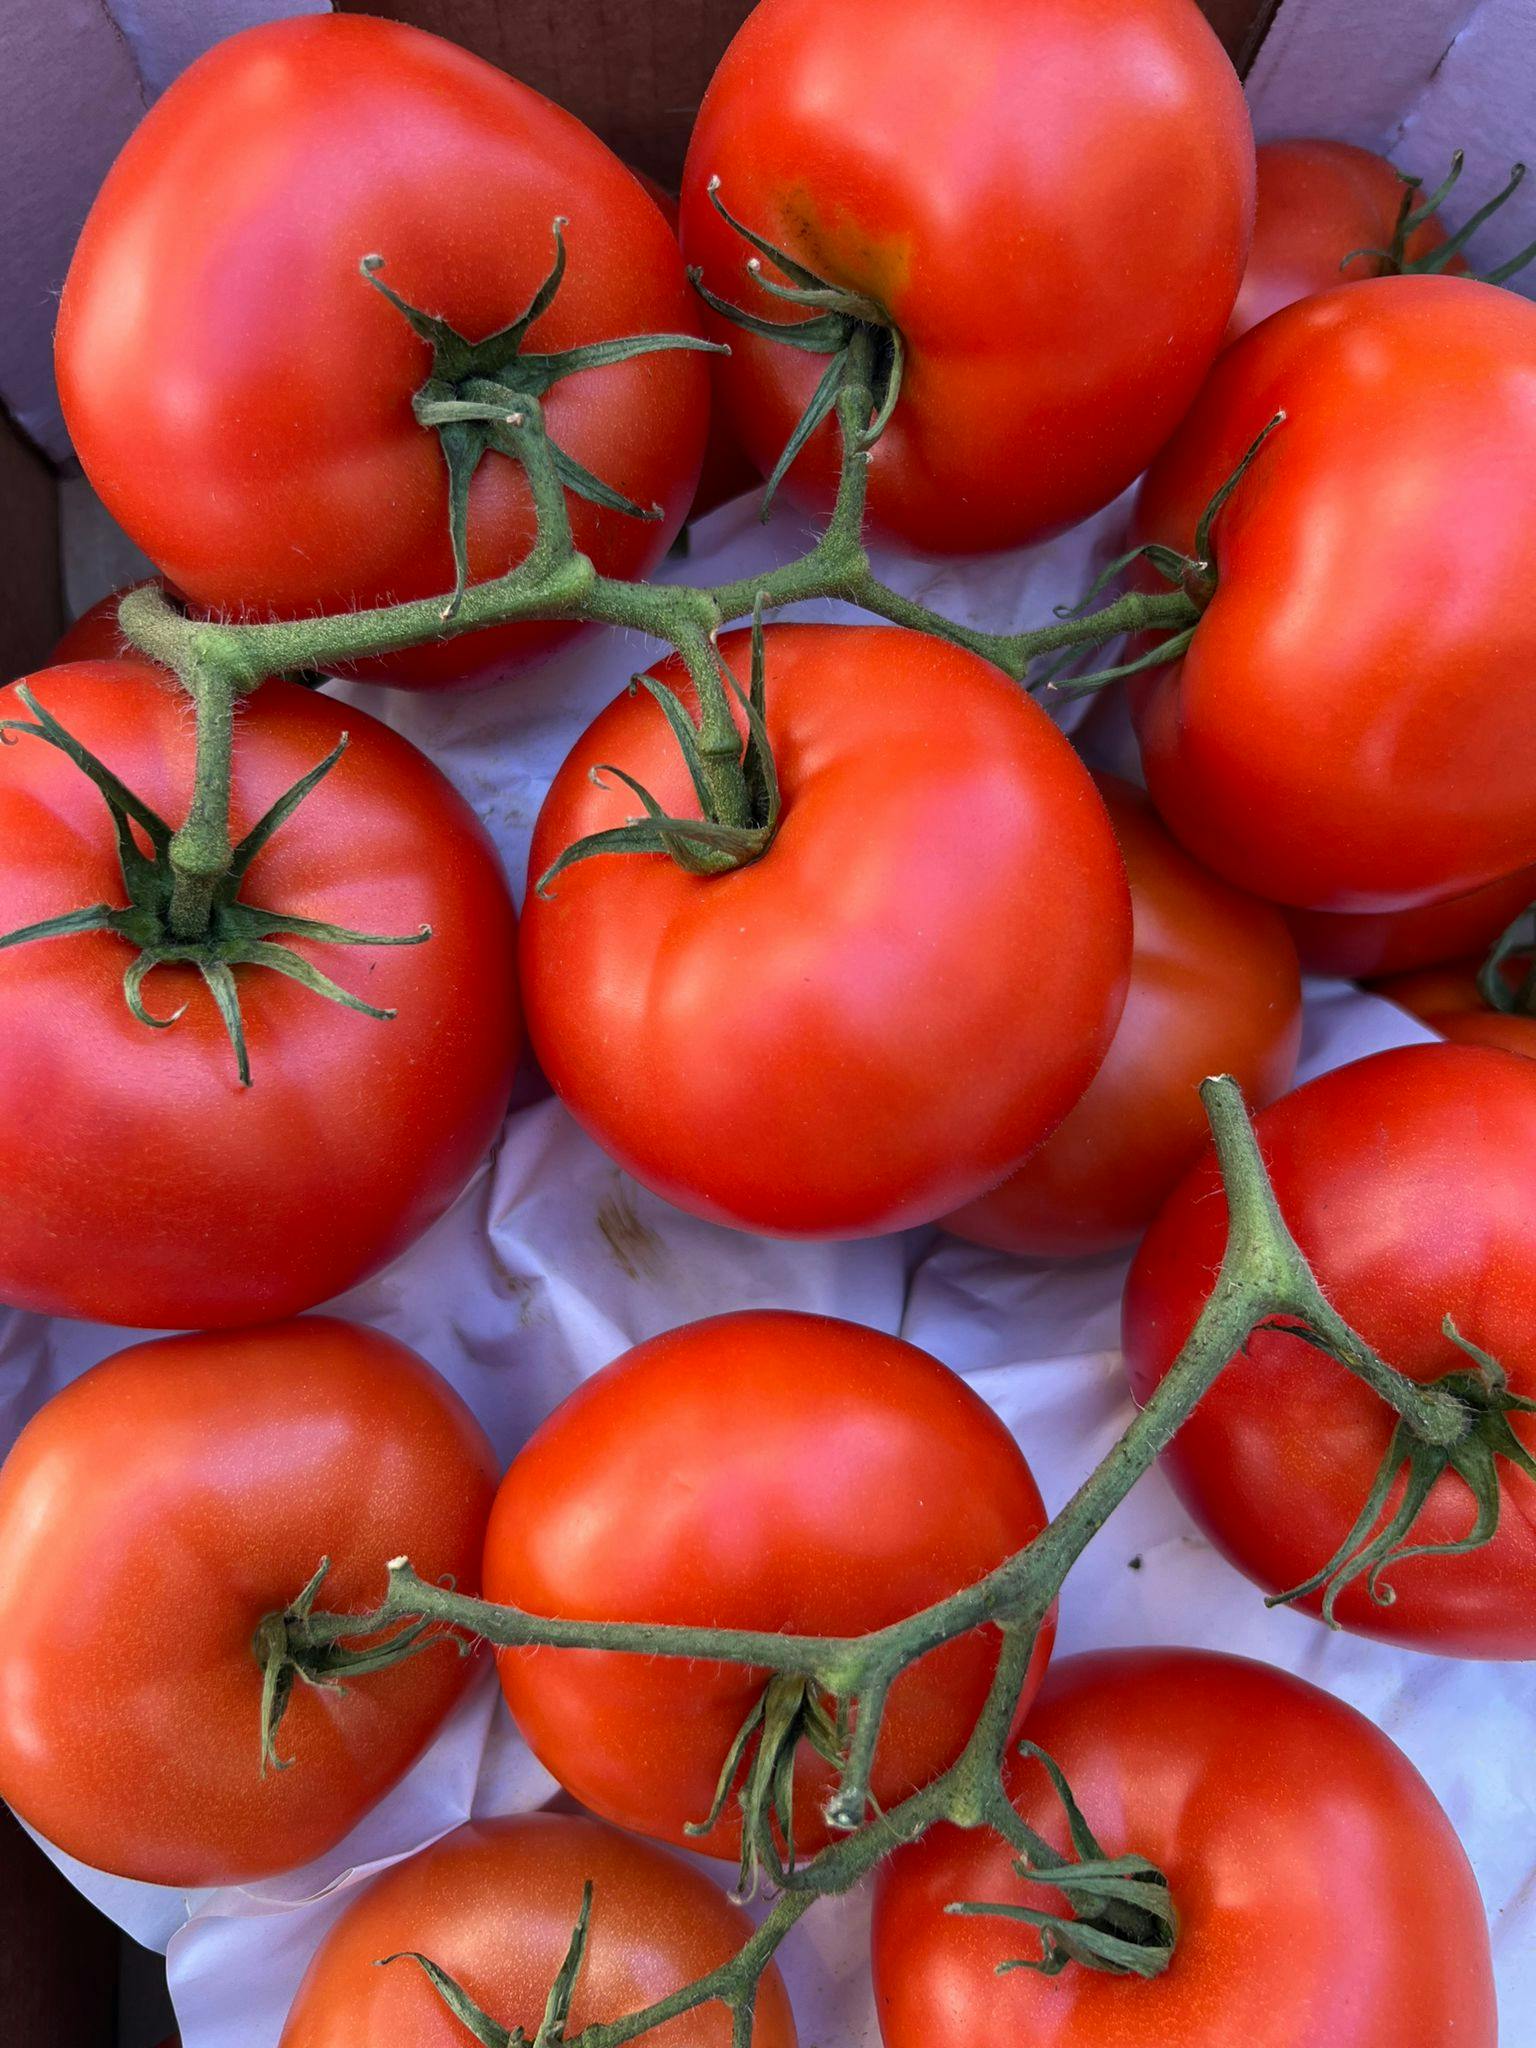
{"points": [[1214, 990], [1351, 727], [152, 1515], [1393, 941], [143, 1184], [94, 636], [1406, 1179], [1323, 1899], [883, 1014], [241, 398], [1058, 246], [494, 1904], [1450, 1002], [1318, 203], [760, 1470]]}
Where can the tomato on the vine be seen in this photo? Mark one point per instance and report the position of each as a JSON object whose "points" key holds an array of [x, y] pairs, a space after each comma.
{"points": [[1321, 1895], [151, 1516], [1214, 990], [493, 1904], [1350, 727], [1057, 247], [144, 1184], [1449, 1000], [879, 1017], [241, 398], [763, 1470], [1406, 1180], [1366, 944]]}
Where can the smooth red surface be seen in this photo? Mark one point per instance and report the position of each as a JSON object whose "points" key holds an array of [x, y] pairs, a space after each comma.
{"points": [[151, 1515], [1323, 1899], [883, 1014], [1407, 1181], [143, 1184], [1393, 941], [1352, 727], [1052, 200], [494, 1904], [241, 398], [764, 1470], [1450, 1002], [1214, 990], [1318, 203]]}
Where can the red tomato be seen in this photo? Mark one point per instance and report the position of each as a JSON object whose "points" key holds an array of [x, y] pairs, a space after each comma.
{"points": [[1318, 203], [494, 1904], [1450, 1002], [883, 1014], [1351, 727], [143, 1184], [94, 636], [248, 419], [1393, 941], [1323, 1899], [1406, 1179], [1214, 990], [152, 1515], [1058, 245], [761, 1470]]}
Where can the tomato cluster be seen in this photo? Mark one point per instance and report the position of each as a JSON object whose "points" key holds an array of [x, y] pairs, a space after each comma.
{"points": [[829, 932]]}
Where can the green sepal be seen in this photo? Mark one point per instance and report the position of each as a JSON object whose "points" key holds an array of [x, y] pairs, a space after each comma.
{"points": [[488, 2032]]}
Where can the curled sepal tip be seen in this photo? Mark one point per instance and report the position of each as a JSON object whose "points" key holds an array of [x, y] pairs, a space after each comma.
{"points": [[490, 2033], [759, 1773]]}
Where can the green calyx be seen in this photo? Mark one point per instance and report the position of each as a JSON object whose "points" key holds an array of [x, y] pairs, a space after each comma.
{"points": [[553, 2027], [1507, 978], [237, 934], [479, 392], [1415, 211], [1121, 1919], [858, 335], [759, 1773], [1416, 1465]]}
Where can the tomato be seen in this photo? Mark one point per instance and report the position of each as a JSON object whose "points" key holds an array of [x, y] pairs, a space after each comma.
{"points": [[1323, 1899], [1393, 941], [1450, 1002], [494, 1904], [883, 1014], [144, 1184], [1058, 245], [1214, 990], [1319, 203], [94, 636], [152, 1515], [760, 1470], [1406, 1179], [241, 398], [1351, 727]]}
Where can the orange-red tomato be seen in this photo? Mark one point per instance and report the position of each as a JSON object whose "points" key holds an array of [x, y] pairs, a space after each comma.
{"points": [[1450, 1002], [94, 636], [494, 1904], [761, 1470], [151, 1516], [1323, 1899], [1365, 944], [1214, 990]]}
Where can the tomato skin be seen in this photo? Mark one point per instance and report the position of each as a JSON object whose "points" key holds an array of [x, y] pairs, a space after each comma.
{"points": [[760, 1470], [1395, 941], [1214, 990], [95, 636], [494, 1904], [1318, 203], [1406, 1180], [809, 1046], [1450, 1002], [248, 420], [145, 1185], [1350, 729], [989, 174], [1279, 1816], [204, 1478]]}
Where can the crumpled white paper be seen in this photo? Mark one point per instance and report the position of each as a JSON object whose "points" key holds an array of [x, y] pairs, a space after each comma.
{"points": [[552, 1263]]}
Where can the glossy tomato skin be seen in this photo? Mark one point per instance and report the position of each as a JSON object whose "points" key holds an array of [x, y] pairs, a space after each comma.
{"points": [[1324, 742], [1059, 246], [145, 1185], [1394, 941], [1319, 203], [1450, 1002], [494, 1904], [760, 1470], [153, 1514], [1279, 1816], [246, 415], [1214, 989], [883, 1014], [1406, 1179]]}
